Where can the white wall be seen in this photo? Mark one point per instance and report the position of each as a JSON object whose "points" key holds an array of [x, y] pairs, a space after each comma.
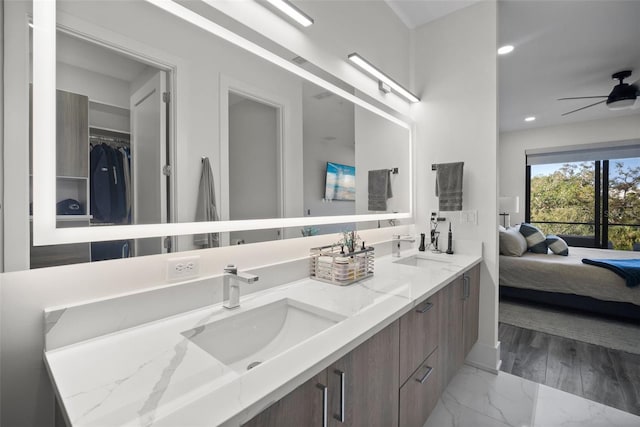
{"points": [[326, 118], [455, 70], [340, 28], [98, 87], [27, 398], [381, 145], [512, 147]]}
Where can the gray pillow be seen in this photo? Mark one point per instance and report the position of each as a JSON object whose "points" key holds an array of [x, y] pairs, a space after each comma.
{"points": [[557, 245], [512, 242], [536, 240]]}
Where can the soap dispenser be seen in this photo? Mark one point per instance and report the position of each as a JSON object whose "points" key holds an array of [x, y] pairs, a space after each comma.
{"points": [[422, 247]]}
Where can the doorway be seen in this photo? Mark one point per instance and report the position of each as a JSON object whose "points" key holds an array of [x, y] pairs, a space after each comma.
{"points": [[255, 166]]}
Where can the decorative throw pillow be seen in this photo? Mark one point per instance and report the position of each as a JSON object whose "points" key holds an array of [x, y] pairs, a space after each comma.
{"points": [[512, 243], [536, 240], [557, 245]]}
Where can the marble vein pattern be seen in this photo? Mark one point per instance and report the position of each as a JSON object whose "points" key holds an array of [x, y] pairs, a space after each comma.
{"points": [[153, 375], [478, 398]]}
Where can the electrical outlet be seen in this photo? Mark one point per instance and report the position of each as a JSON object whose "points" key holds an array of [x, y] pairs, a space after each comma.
{"points": [[183, 268], [469, 217]]}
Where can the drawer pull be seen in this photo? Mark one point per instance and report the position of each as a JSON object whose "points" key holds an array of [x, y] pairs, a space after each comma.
{"points": [[467, 287], [323, 388], [341, 374], [426, 375], [428, 306]]}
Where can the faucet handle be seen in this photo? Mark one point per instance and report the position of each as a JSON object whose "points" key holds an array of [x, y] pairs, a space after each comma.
{"points": [[231, 268]]}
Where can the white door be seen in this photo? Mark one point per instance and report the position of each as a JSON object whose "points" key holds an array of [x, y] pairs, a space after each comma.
{"points": [[148, 157]]}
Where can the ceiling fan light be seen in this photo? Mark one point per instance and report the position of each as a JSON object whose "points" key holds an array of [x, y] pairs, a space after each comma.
{"points": [[622, 96], [621, 104]]}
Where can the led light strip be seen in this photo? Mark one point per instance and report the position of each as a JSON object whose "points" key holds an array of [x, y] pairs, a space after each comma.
{"points": [[292, 11], [371, 69]]}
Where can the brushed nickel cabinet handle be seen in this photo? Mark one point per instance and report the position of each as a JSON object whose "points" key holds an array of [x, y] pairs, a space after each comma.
{"points": [[323, 388], [428, 306], [425, 376], [342, 375], [467, 286]]}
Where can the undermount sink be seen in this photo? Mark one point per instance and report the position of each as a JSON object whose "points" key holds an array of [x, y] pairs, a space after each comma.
{"points": [[245, 340], [421, 261]]}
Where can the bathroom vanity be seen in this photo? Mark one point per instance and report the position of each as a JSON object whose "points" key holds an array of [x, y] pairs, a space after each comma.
{"points": [[378, 352]]}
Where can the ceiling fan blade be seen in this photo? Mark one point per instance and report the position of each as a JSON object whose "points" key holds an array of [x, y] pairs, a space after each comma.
{"points": [[591, 105], [583, 97]]}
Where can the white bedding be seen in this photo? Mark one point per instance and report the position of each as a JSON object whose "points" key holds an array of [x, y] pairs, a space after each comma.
{"points": [[568, 275]]}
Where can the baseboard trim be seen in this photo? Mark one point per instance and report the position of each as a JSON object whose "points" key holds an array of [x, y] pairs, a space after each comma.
{"points": [[485, 357]]}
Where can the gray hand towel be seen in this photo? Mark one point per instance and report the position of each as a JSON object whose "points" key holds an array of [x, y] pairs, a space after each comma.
{"points": [[449, 186], [206, 207], [379, 189]]}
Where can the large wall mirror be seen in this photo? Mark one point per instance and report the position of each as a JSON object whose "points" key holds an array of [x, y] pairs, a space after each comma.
{"points": [[170, 125]]}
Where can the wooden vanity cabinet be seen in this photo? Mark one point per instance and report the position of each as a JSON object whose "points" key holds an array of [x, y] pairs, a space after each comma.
{"points": [[371, 383], [419, 361], [396, 377], [302, 407], [420, 393], [419, 334], [362, 390], [471, 309], [459, 318]]}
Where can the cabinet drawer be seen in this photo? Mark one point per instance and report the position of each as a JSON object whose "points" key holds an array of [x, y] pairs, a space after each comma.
{"points": [[419, 395], [419, 334]]}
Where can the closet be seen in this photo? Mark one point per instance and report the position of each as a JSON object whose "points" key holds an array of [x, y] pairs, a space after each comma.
{"points": [[84, 127]]}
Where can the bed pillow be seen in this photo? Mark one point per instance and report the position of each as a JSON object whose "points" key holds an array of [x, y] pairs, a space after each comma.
{"points": [[557, 245], [512, 243], [536, 240]]}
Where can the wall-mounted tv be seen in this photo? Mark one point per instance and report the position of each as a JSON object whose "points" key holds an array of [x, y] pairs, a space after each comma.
{"points": [[340, 182]]}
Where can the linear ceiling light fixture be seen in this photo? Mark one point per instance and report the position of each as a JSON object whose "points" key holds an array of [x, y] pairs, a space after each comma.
{"points": [[292, 11], [383, 79]]}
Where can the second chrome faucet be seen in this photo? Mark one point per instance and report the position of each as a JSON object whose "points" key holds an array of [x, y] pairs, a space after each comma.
{"points": [[231, 285]]}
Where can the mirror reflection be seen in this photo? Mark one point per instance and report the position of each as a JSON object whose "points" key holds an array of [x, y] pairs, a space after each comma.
{"points": [[160, 126]]}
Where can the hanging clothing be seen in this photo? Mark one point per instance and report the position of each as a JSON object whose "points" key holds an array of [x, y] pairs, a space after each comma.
{"points": [[206, 207], [100, 181], [127, 179], [108, 184]]}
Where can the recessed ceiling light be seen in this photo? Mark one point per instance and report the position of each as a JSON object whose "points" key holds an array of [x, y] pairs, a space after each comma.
{"points": [[529, 119], [503, 50]]}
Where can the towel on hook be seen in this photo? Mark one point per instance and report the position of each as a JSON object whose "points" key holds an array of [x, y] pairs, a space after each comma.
{"points": [[449, 186], [379, 189], [206, 207]]}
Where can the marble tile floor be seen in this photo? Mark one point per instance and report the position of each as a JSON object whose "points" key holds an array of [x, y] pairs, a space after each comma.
{"points": [[476, 398]]}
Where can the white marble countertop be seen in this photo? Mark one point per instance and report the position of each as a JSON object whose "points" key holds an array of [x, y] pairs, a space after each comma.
{"points": [[151, 375]]}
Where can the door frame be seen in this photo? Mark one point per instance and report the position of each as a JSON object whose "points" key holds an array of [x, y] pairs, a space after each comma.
{"points": [[155, 58], [283, 107]]}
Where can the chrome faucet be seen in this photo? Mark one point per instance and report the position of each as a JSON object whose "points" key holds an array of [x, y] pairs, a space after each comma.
{"points": [[231, 285], [395, 244]]}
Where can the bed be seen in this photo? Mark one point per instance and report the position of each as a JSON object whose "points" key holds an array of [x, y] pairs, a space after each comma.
{"points": [[566, 281]]}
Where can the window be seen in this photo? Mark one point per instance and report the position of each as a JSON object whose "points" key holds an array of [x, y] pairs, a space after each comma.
{"points": [[589, 203]]}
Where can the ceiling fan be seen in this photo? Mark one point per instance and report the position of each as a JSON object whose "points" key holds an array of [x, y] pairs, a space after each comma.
{"points": [[623, 95]]}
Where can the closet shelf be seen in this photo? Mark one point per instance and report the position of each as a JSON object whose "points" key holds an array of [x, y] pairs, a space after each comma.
{"points": [[69, 217], [100, 128]]}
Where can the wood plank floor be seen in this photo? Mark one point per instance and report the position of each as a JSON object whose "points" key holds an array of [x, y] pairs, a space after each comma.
{"points": [[611, 377]]}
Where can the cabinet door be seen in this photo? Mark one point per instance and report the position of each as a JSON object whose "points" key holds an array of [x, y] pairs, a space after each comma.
{"points": [[471, 308], [368, 377], [451, 350], [72, 134], [419, 334], [419, 395], [305, 406]]}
